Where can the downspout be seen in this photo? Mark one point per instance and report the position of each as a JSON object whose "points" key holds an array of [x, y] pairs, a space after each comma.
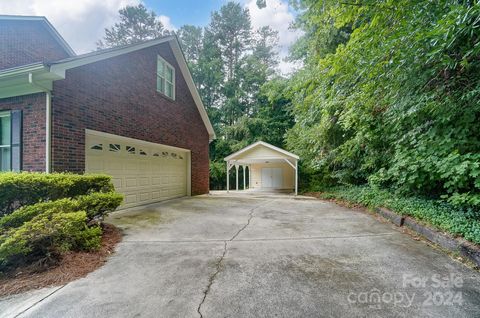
{"points": [[48, 122]]}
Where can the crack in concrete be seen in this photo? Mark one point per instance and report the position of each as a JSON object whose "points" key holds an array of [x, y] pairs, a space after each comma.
{"points": [[212, 278], [218, 265]]}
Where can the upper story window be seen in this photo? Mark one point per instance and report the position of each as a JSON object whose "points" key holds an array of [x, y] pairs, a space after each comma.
{"points": [[165, 78]]}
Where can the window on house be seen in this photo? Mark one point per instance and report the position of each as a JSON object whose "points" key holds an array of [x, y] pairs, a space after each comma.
{"points": [[5, 141], [165, 78], [10, 139]]}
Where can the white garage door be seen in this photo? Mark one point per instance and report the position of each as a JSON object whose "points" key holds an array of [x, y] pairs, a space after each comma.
{"points": [[272, 178], [144, 172]]}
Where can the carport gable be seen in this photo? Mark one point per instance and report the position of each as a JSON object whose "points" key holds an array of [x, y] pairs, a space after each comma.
{"points": [[260, 152]]}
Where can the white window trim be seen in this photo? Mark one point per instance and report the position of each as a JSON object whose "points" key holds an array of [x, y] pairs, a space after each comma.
{"points": [[166, 65]]}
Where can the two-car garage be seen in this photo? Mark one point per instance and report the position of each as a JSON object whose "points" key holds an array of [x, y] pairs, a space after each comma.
{"points": [[142, 171]]}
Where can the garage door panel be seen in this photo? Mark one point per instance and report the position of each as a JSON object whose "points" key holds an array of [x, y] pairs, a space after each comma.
{"points": [[145, 196], [130, 198], [143, 174], [131, 183], [143, 181], [117, 182]]}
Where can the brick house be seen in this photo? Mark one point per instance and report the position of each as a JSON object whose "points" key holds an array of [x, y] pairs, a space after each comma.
{"points": [[132, 112]]}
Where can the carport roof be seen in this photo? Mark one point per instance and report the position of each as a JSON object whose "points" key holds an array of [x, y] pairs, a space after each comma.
{"points": [[237, 155]]}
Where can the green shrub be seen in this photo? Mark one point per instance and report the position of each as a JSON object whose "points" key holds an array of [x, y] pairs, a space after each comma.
{"points": [[53, 214], [95, 205], [48, 235], [28, 212], [98, 204], [26, 188], [459, 221]]}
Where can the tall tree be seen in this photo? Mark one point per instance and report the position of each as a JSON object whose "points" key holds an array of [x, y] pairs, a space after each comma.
{"points": [[191, 38], [136, 24], [231, 29]]}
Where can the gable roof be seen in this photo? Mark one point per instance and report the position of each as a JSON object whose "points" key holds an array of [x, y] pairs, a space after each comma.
{"points": [[261, 144], [60, 40], [46, 73], [59, 68]]}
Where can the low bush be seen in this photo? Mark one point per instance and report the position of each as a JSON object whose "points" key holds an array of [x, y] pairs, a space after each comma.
{"points": [[27, 188], [46, 236], [96, 205], [459, 221], [56, 213]]}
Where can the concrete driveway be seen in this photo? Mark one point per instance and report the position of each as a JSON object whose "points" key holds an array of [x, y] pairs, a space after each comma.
{"points": [[260, 256]]}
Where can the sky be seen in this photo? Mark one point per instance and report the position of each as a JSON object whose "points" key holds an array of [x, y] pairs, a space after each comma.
{"points": [[82, 22]]}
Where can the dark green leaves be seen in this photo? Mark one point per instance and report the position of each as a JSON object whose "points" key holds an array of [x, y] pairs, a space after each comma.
{"points": [[396, 99]]}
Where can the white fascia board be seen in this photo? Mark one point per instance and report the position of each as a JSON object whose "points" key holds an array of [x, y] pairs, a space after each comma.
{"points": [[14, 71], [15, 81], [61, 66], [261, 143], [177, 51], [18, 91]]}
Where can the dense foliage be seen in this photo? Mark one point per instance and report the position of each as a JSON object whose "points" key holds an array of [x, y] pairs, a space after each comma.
{"points": [[390, 94], [61, 212], [457, 221]]}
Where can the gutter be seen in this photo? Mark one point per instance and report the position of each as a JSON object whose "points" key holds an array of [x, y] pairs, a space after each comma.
{"points": [[48, 122]]}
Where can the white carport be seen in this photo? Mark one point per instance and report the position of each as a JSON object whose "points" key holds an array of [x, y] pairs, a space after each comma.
{"points": [[269, 167]]}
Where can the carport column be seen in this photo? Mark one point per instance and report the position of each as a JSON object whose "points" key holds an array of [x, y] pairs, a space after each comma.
{"points": [[236, 176], [250, 176], [244, 185], [296, 177], [228, 179]]}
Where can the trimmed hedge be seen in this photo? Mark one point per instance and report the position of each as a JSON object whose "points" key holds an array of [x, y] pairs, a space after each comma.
{"points": [[56, 213], [27, 188], [95, 205], [47, 236], [455, 220]]}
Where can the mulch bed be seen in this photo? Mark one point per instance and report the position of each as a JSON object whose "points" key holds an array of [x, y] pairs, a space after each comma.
{"points": [[72, 266]]}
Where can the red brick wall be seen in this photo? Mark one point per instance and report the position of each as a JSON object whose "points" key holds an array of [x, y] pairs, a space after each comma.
{"points": [[25, 42], [33, 139], [119, 96]]}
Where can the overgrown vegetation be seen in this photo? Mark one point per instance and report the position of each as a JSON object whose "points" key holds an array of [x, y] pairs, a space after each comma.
{"points": [[463, 222], [390, 95], [48, 215]]}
